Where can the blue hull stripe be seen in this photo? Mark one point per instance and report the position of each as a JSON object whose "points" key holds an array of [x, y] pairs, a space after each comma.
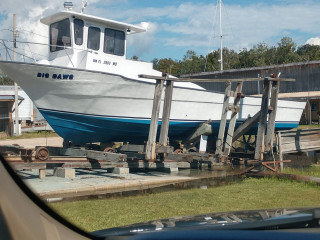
{"points": [[80, 128]]}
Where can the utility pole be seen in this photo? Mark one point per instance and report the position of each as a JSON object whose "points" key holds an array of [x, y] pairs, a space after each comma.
{"points": [[16, 105], [220, 20]]}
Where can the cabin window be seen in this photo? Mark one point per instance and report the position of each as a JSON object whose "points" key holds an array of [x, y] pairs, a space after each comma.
{"points": [[94, 38], [114, 42], [60, 35], [78, 31]]}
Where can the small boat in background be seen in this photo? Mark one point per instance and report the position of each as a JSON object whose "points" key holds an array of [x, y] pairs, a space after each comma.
{"points": [[89, 92]]}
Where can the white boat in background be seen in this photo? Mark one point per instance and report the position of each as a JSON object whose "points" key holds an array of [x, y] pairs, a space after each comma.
{"points": [[89, 92]]}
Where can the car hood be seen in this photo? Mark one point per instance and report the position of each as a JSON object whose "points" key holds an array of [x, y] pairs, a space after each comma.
{"points": [[262, 219]]}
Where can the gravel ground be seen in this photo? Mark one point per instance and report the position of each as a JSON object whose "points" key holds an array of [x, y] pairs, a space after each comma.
{"points": [[32, 142]]}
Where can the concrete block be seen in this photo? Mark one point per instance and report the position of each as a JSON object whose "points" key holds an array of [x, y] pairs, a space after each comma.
{"points": [[42, 173], [173, 170], [64, 172], [203, 143], [119, 170]]}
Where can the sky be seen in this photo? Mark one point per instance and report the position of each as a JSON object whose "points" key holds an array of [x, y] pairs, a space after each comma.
{"points": [[176, 26]]}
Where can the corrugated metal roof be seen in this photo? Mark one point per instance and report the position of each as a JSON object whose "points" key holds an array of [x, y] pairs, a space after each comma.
{"points": [[9, 98], [8, 87]]}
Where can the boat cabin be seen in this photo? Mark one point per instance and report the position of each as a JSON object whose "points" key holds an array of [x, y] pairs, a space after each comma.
{"points": [[78, 31]]}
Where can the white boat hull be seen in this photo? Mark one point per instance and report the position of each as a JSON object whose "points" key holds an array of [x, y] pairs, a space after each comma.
{"points": [[91, 106]]}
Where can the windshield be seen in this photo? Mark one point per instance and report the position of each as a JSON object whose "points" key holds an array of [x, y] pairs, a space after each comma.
{"points": [[205, 137], [114, 42], [78, 31], [60, 35], [94, 38]]}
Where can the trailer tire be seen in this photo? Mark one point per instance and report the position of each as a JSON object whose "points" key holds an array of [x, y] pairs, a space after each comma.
{"points": [[42, 154]]}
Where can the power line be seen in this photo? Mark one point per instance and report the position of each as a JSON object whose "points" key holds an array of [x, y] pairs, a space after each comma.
{"points": [[6, 29], [31, 32], [8, 48]]}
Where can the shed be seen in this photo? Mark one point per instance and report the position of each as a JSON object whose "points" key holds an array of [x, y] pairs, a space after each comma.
{"points": [[6, 106], [25, 108]]}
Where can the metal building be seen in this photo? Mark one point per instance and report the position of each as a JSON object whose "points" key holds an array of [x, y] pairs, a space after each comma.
{"points": [[306, 87]]}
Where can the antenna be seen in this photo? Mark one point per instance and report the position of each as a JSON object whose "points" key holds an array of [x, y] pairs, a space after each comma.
{"points": [[221, 50], [68, 5], [84, 5]]}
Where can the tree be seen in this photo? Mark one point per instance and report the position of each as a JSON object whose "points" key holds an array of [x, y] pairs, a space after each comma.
{"points": [[286, 51], [246, 58], [190, 55], [166, 65], [271, 56], [212, 61], [260, 55], [309, 52], [230, 59], [5, 80], [155, 62], [192, 63]]}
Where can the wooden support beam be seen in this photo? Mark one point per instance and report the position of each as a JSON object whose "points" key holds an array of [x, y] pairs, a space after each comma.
{"points": [[246, 126], [279, 141], [106, 156], [233, 119], [215, 79], [23, 166], [223, 121], [164, 149], [272, 115], [179, 157], [204, 129], [166, 113], [95, 164], [258, 155], [151, 144], [132, 148]]}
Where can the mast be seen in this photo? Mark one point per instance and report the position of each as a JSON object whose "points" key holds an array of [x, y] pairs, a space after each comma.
{"points": [[220, 21]]}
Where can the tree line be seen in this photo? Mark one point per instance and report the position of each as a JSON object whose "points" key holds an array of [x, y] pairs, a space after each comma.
{"points": [[286, 51]]}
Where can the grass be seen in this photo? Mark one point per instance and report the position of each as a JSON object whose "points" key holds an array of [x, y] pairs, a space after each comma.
{"points": [[313, 171], [251, 193], [308, 126], [32, 135]]}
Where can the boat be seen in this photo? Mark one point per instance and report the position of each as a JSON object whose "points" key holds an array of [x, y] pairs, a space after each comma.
{"points": [[89, 92]]}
